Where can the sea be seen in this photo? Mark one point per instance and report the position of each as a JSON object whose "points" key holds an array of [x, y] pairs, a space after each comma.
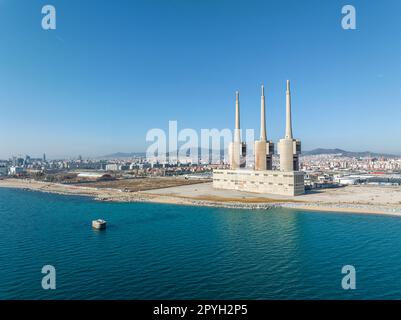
{"points": [[163, 251]]}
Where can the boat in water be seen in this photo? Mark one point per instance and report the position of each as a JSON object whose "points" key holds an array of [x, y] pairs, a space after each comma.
{"points": [[99, 224]]}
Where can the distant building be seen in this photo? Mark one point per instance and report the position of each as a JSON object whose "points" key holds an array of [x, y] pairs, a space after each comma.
{"points": [[97, 176], [116, 167], [3, 169], [14, 170], [112, 167], [348, 181]]}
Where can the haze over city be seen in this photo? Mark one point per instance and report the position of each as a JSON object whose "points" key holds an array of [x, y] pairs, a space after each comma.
{"points": [[100, 81]]}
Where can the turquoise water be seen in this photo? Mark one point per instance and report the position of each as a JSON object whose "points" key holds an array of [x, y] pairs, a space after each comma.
{"points": [[155, 251]]}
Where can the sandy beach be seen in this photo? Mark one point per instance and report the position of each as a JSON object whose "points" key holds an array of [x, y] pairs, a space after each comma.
{"points": [[352, 199]]}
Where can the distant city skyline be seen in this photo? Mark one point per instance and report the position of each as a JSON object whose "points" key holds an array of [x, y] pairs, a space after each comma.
{"points": [[128, 154], [111, 71]]}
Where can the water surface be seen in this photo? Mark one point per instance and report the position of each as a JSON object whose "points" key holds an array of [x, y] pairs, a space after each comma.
{"points": [[159, 251]]}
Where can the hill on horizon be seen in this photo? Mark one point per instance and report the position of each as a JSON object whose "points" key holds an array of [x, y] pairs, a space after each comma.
{"points": [[353, 154], [317, 151]]}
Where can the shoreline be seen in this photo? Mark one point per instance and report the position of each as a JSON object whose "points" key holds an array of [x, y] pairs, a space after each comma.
{"points": [[252, 203]]}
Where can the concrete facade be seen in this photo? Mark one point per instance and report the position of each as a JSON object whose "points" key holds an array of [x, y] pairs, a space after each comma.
{"points": [[268, 181], [260, 155], [289, 150], [264, 151]]}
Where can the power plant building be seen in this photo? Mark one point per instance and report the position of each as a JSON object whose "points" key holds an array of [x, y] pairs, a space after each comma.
{"points": [[287, 181]]}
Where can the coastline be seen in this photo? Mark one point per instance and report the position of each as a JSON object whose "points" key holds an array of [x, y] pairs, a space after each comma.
{"points": [[168, 196]]}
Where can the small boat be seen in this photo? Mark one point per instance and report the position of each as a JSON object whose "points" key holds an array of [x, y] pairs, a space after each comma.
{"points": [[99, 224]]}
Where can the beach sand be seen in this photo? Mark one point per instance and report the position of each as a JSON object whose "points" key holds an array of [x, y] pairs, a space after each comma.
{"points": [[367, 199]]}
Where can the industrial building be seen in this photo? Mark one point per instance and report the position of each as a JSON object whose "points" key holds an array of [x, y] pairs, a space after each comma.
{"points": [[287, 181], [15, 170], [94, 176]]}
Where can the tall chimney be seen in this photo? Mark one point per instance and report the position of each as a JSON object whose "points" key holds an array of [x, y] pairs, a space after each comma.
{"points": [[288, 123], [237, 136], [262, 116]]}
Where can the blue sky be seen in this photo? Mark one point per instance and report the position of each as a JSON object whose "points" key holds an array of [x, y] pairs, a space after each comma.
{"points": [[112, 70]]}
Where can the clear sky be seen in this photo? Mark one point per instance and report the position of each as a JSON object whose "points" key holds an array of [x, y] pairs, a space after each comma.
{"points": [[112, 70]]}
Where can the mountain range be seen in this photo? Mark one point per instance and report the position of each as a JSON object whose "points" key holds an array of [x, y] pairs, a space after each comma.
{"points": [[351, 154], [318, 151]]}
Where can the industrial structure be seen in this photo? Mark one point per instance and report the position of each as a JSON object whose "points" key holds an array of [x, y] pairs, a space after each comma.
{"points": [[237, 149], [289, 148], [264, 149], [262, 179]]}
